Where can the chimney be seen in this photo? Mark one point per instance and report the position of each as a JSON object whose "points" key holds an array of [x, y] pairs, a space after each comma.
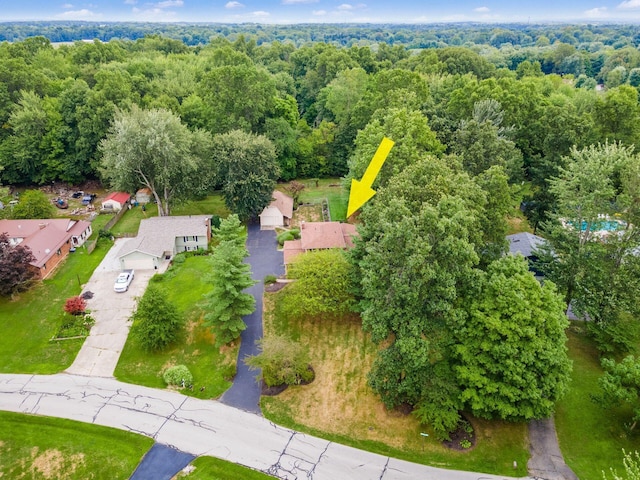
{"points": [[42, 225]]}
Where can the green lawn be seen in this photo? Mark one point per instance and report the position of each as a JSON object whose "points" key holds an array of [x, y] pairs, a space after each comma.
{"points": [[210, 468], [211, 368], [31, 320], [98, 224], [591, 437], [330, 189], [34, 447], [130, 221]]}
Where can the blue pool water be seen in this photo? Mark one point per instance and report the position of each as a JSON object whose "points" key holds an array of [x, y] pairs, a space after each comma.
{"points": [[608, 225]]}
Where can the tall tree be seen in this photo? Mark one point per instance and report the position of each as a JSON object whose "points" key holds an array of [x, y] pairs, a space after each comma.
{"points": [[227, 303], [152, 148], [33, 204], [511, 353], [246, 170]]}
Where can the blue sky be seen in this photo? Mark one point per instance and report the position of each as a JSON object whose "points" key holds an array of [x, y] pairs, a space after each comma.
{"points": [[322, 11]]}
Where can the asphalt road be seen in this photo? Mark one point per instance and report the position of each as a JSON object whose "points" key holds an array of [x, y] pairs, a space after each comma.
{"points": [[204, 427], [265, 259]]}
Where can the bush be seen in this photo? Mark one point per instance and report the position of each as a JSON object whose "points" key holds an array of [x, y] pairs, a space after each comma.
{"points": [[269, 279], [282, 361], [295, 232], [285, 237], [178, 375], [157, 322], [75, 305]]}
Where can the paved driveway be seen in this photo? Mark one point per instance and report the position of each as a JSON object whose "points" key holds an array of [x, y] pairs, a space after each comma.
{"points": [[265, 259], [101, 350]]}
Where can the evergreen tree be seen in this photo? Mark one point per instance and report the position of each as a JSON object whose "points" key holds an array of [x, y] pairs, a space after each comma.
{"points": [[227, 303]]}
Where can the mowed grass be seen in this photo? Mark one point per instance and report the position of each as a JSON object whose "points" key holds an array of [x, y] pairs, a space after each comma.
{"points": [[31, 319], [130, 221], [210, 468], [34, 447], [591, 437], [339, 405], [328, 188], [212, 368]]}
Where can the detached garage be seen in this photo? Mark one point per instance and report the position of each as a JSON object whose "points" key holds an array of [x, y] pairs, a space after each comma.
{"points": [[138, 260]]}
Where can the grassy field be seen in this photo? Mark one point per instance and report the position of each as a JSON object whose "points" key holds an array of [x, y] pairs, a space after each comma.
{"points": [[34, 447], [210, 367], [339, 405], [210, 468], [591, 437], [329, 189], [31, 319]]}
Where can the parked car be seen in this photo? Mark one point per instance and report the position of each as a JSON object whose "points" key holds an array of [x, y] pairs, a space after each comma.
{"points": [[77, 194], [123, 281]]}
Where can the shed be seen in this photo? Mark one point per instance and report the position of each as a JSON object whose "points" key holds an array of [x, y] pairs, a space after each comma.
{"points": [[116, 201], [278, 213], [143, 196]]}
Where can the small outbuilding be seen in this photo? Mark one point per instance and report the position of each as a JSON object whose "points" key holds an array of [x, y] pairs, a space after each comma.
{"points": [[116, 201], [143, 196], [278, 213]]}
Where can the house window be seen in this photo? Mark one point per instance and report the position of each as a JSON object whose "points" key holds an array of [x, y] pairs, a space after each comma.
{"points": [[195, 239], [185, 239], [59, 252]]}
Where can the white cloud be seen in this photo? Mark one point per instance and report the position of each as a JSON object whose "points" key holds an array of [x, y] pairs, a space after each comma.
{"points": [[169, 3], [83, 14], [630, 4], [319, 13], [598, 12], [345, 7], [234, 5], [297, 2], [260, 14], [481, 9]]}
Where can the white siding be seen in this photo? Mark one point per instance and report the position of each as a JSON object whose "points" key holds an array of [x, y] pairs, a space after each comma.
{"points": [[271, 218], [112, 204], [139, 261]]}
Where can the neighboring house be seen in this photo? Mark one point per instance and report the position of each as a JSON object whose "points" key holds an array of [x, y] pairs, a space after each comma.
{"points": [[50, 240], [116, 201], [143, 196], [526, 243], [278, 213], [320, 236], [160, 238]]}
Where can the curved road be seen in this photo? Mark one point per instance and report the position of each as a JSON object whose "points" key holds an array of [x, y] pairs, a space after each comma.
{"points": [[205, 427]]}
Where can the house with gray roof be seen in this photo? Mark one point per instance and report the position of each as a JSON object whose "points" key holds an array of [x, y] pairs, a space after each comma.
{"points": [[160, 238], [525, 244]]}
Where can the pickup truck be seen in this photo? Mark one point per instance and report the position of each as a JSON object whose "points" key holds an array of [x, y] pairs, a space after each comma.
{"points": [[123, 281]]}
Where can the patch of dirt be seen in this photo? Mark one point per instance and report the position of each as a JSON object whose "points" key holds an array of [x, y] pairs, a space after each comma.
{"points": [[464, 438], [53, 463], [307, 213], [272, 391]]}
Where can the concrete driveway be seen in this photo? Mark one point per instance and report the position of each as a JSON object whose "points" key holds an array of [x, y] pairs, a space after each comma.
{"points": [[101, 350]]}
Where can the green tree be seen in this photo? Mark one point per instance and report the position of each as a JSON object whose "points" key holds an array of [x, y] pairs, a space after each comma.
{"points": [[281, 361], [620, 384], [246, 169], [322, 286], [227, 303], [156, 321], [631, 462], [152, 148], [511, 355], [33, 204], [415, 258], [16, 273]]}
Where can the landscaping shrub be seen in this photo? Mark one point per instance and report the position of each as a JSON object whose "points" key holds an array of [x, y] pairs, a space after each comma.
{"points": [[157, 322], [178, 375], [282, 361], [75, 305], [269, 279], [285, 237]]}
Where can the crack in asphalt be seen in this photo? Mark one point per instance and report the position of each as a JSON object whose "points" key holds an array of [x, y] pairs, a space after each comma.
{"points": [[384, 470], [275, 468], [171, 416]]}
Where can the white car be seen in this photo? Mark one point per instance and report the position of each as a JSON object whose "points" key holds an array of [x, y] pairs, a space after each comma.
{"points": [[123, 281]]}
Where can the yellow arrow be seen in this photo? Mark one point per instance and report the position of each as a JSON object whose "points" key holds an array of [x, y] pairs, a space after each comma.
{"points": [[361, 191]]}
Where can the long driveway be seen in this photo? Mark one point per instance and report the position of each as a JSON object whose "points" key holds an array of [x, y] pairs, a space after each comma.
{"points": [[265, 259], [204, 427], [101, 350]]}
